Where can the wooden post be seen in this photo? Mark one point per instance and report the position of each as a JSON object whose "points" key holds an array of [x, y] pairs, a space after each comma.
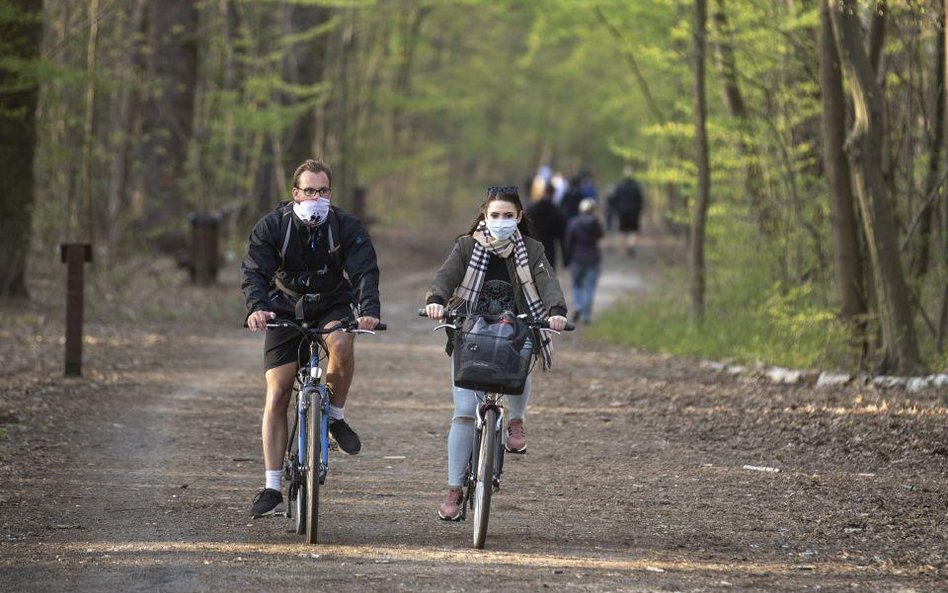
{"points": [[203, 247], [74, 255], [359, 204]]}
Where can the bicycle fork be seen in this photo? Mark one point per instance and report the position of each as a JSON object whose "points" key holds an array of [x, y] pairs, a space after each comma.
{"points": [[318, 396], [496, 433]]}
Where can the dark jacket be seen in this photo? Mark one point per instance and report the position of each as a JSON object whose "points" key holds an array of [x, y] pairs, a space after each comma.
{"points": [[451, 273], [582, 241], [570, 203], [626, 199], [349, 276], [548, 226]]}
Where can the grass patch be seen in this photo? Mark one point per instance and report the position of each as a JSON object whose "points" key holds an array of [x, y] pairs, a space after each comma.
{"points": [[745, 322]]}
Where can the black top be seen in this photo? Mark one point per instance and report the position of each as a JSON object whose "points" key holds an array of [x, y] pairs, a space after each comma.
{"points": [[548, 226], [308, 251]]}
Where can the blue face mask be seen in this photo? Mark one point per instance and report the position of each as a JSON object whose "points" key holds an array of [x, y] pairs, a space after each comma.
{"points": [[501, 228]]}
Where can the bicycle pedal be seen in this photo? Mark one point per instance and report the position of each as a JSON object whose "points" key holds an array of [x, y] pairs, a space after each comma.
{"points": [[333, 445]]}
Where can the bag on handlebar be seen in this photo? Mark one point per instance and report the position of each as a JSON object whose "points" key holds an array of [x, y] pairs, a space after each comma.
{"points": [[492, 353]]}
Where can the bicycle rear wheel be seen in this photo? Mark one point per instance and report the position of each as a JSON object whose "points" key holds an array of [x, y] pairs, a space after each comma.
{"points": [[484, 478], [310, 492]]}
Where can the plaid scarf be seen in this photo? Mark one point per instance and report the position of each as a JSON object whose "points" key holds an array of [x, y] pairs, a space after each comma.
{"points": [[470, 288]]}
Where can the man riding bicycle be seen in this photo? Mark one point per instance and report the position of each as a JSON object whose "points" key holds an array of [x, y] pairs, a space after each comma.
{"points": [[307, 260]]}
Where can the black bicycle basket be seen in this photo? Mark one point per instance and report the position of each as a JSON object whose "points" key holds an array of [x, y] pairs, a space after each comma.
{"points": [[492, 353]]}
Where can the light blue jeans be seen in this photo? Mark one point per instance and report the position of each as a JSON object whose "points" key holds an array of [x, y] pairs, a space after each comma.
{"points": [[461, 435], [585, 277]]}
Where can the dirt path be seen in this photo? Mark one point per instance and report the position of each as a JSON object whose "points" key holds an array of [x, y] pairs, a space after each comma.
{"points": [[139, 476]]}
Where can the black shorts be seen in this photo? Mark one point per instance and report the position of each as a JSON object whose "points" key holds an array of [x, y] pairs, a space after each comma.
{"points": [[628, 222], [284, 345]]}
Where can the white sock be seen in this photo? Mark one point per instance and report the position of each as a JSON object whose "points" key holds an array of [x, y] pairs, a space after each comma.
{"points": [[336, 413], [274, 479]]}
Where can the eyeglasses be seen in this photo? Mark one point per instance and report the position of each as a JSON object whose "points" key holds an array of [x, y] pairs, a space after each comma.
{"points": [[310, 192], [503, 189]]}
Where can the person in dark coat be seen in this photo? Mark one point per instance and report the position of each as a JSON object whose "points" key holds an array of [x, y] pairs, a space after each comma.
{"points": [[571, 199], [584, 258], [548, 223], [304, 247], [626, 202]]}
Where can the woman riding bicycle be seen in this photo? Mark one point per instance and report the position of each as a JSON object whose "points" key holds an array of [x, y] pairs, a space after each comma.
{"points": [[496, 266]]}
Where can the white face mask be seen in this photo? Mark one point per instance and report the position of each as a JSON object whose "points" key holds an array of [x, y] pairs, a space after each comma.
{"points": [[501, 228], [312, 212]]}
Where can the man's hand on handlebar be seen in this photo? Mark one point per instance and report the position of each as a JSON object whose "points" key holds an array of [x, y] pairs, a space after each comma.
{"points": [[367, 322], [557, 322], [435, 311], [258, 320]]}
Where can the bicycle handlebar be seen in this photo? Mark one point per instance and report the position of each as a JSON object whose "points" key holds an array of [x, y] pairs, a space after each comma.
{"points": [[306, 329], [451, 317]]}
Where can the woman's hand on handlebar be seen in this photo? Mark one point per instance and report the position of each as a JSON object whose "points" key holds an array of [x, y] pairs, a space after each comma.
{"points": [[435, 311], [557, 322], [258, 320], [368, 323]]}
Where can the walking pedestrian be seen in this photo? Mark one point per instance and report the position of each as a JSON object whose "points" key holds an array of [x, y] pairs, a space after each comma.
{"points": [[584, 258]]}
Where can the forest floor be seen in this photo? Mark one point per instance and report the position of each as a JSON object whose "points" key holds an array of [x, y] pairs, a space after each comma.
{"points": [[644, 473]]}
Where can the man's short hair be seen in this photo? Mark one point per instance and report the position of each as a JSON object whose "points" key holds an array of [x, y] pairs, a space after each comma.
{"points": [[313, 166]]}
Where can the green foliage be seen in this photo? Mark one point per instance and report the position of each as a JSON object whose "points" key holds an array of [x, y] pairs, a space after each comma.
{"points": [[426, 102], [748, 322]]}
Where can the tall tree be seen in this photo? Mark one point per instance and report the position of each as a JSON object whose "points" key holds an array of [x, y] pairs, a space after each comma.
{"points": [[754, 186], [864, 147], [20, 36], [935, 181], [699, 214], [304, 66], [843, 223], [169, 113], [121, 108]]}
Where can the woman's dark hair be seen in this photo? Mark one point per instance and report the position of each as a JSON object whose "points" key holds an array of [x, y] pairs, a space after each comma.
{"points": [[508, 193]]}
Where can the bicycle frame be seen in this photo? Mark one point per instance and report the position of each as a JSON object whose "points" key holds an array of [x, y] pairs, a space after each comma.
{"points": [[306, 468], [311, 392]]}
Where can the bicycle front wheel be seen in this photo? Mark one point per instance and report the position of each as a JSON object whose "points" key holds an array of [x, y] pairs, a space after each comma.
{"points": [[483, 484], [313, 458]]}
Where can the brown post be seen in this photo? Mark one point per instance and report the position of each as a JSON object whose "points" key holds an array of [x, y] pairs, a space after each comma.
{"points": [[74, 255], [359, 203], [203, 247]]}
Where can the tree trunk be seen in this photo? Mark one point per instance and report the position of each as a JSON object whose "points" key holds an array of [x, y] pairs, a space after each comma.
{"points": [[702, 198], [921, 246], [21, 32], [864, 146], [843, 223], [408, 43], [304, 65], [754, 186], [877, 35], [122, 126], [88, 128], [169, 112]]}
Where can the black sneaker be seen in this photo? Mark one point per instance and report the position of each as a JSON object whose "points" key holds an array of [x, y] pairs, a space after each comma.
{"points": [[265, 503], [346, 437]]}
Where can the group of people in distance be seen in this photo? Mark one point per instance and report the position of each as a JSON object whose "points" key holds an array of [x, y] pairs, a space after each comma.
{"points": [[565, 220], [311, 242]]}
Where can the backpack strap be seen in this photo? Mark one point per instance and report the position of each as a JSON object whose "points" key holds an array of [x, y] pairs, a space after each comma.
{"points": [[332, 232]]}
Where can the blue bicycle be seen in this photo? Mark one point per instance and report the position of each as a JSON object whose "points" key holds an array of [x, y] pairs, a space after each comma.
{"points": [[306, 462]]}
